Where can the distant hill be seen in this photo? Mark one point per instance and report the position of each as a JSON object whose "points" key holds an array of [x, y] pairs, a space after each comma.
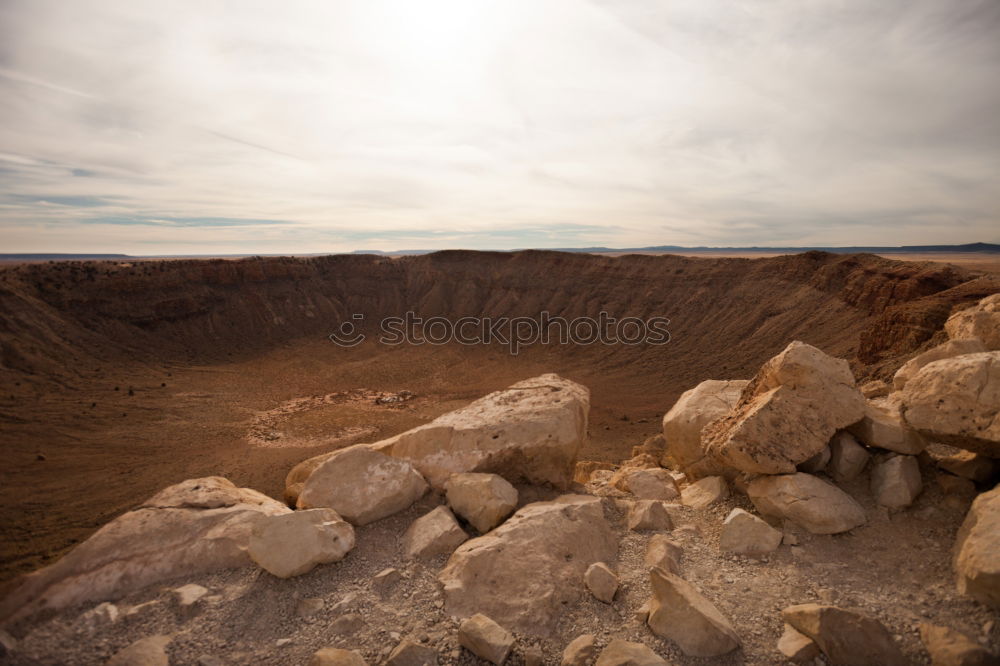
{"points": [[990, 248], [59, 257], [980, 248]]}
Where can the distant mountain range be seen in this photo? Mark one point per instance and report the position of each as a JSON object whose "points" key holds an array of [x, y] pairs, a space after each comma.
{"points": [[990, 248], [984, 248]]}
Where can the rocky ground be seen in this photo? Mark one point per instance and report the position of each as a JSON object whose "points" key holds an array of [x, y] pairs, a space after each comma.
{"points": [[896, 569]]}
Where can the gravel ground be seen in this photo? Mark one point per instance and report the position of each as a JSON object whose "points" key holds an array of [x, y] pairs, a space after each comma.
{"points": [[896, 568]]}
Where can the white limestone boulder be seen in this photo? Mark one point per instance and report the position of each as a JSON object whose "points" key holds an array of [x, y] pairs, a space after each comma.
{"points": [[433, 534], [292, 544], [818, 506], [977, 550], [745, 534], [526, 573], [955, 401], [530, 432], [696, 408], [484, 500], [679, 612], [949, 349], [895, 481], [362, 485], [787, 414], [980, 322], [192, 527]]}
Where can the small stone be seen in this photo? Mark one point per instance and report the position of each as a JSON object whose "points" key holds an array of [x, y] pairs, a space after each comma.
{"points": [[533, 656], [796, 646], [385, 581], [847, 457], [746, 534], [210, 660], [8, 644], [654, 484], [705, 492], [143, 608], [336, 657], [102, 614], [485, 500], [642, 613], [601, 581], [282, 642], [896, 481], [345, 605], [649, 515], [188, 595], [948, 647], [680, 612], [486, 639], [433, 534], [663, 552], [347, 625], [150, 651], [625, 653], [844, 636], [956, 485], [408, 653], [309, 606], [580, 652]]}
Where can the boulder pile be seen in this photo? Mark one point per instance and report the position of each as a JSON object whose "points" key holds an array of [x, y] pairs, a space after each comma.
{"points": [[496, 544]]}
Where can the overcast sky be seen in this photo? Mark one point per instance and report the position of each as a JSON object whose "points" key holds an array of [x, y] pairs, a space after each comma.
{"points": [[333, 125]]}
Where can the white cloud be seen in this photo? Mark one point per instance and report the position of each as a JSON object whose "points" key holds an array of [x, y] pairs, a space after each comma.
{"points": [[504, 123]]}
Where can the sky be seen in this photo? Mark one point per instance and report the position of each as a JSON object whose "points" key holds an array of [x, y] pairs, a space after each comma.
{"points": [[246, 126]]}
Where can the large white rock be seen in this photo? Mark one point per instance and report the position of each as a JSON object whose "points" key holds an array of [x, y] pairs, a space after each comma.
{"points": [[696, 408], [362, 485], [530, 432], [680, 612], [292, 544], [526, 573], [955, 401], [194, 526], [787, 413], [746, 534], [949, 349], [883, 427], [818, 506], [981, 321], [664, 552], [896, 481], [977, 550], [484, 500]]}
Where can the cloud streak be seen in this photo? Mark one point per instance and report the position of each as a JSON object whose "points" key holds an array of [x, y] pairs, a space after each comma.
{"points": [[133, 126]]}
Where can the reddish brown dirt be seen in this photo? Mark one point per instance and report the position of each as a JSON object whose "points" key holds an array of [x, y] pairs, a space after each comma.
{"points": [[209, 348]]}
